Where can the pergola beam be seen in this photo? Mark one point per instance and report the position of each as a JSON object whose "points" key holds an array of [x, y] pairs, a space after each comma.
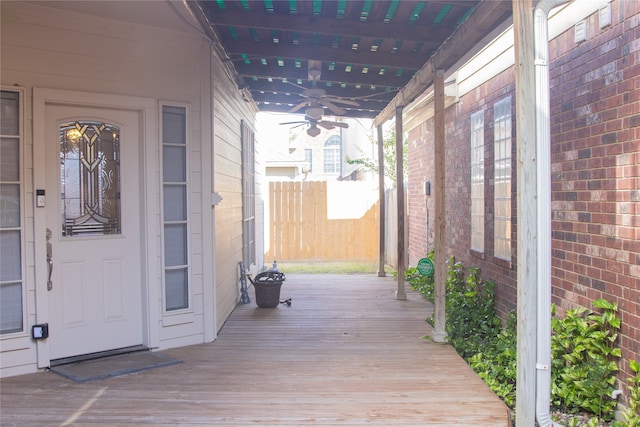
{"points": [[431, 37], [480, 23], [410, 61]]}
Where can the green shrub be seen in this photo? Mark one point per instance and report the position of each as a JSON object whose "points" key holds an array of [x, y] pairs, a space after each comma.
{"points": [[584, 359], [584, 348], [471, 319], [420, 283], [496, 363], [631, 415]]}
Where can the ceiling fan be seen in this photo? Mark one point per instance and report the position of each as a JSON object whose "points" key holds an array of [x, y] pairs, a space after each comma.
{"points": [[315, 99], [313, 124]]}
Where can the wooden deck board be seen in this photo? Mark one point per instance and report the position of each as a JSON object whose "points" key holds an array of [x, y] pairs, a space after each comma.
{"points": [[345, 353]]}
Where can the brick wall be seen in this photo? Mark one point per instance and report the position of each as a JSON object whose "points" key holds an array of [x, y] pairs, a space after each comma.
{"points": [[595, 102], [420, 169], [458, 205], [595, 108]]}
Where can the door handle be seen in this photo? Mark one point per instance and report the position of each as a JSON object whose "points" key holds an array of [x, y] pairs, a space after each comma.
{"points": [[49, 260]]}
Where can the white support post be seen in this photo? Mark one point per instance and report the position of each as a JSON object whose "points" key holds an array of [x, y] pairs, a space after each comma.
{"points": [[382, 204], [526, 212], [439, 333], [400, 293]]}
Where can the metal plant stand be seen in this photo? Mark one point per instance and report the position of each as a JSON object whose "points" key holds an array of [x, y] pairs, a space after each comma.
{"points": [[244, 294]]}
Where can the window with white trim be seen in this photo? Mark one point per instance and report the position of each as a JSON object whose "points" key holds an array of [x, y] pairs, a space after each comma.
{"points": [[308, 157], [248, 196], [331, 153], [175, 208], [477, 181], [11, 276], [502, 178]]}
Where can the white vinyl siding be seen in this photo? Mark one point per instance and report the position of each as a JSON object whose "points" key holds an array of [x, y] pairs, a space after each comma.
{"points": [[477, 181], [11, 277], [502, 178], [175, 208]]}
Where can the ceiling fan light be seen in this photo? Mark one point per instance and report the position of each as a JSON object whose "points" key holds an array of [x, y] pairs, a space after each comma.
{"points": [[314, 113], [313, 131]]}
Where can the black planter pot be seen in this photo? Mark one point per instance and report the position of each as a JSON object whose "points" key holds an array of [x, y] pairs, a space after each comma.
{"points": [[267, 286]]}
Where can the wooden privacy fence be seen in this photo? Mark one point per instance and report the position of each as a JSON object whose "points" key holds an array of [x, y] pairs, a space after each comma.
{"points": [[391, 227], [300, 229]]}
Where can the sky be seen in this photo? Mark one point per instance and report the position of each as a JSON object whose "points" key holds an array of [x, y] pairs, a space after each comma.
{"points": [[269, 130]]}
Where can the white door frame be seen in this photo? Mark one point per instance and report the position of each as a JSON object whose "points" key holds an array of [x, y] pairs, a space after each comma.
{"points": [[147, 108]]}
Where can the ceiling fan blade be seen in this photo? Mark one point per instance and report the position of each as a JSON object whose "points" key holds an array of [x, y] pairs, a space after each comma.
{"points": [[328, 124], [299, 106], [337, 110], [341, 101], [293, 123]]}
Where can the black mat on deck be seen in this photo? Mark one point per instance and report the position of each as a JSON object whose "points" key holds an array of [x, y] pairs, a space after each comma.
{"points": [[113, 366]]}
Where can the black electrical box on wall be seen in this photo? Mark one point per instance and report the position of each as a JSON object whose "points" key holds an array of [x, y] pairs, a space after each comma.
{"points": [[40, 332]]}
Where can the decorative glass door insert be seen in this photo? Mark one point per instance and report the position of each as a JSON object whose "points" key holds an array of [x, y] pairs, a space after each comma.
{"points": [[90, 178]]}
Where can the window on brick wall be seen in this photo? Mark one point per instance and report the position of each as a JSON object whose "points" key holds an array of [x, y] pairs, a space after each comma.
{"points": [[477, 181], [502, 178]]}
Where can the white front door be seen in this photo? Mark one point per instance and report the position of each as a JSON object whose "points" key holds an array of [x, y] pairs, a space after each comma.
{"points": [[93, 210]]}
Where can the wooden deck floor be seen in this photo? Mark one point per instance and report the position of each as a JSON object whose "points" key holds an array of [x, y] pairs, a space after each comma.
{"points": [[345, 353]]}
